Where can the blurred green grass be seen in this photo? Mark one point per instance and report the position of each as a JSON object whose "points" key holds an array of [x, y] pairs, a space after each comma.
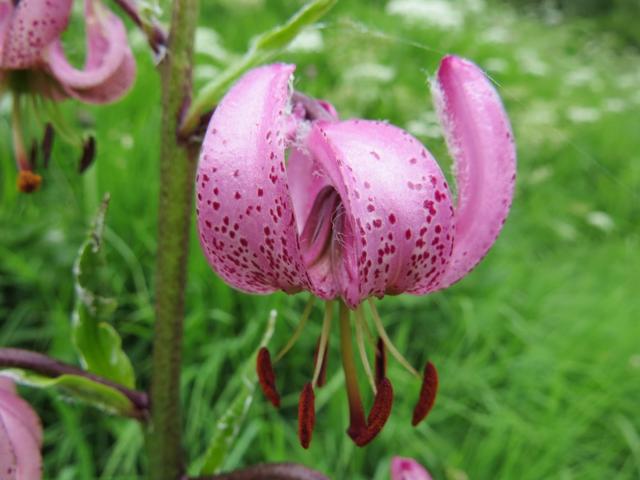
{"points": [[538, 350]]}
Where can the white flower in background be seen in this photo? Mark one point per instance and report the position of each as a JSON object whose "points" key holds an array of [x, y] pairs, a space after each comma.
{"points": [[497, 65], [614, 105], [580, 114], [369, 71], [530, 62], [309, 40], [425, 126], [600, 220], [434, 12]]}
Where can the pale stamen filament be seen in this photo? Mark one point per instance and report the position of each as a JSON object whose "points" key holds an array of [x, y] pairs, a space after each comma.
{"points": [[324, 339], [22, 161], [387, 342], [298, 331], [362, 349]]}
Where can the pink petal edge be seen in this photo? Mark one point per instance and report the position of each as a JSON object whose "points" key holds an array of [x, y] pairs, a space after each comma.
{"points": [[246, 221], [480, 140]]}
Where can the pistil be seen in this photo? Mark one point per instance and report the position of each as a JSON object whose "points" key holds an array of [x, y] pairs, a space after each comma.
{"points": [[357, 424]]}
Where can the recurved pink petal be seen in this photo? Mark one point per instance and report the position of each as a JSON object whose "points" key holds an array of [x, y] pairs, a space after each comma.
{"points": [[109, 69], [392, 229], [20, 437], [33, 24], [246, 220], [481, 143], [403, 468]]}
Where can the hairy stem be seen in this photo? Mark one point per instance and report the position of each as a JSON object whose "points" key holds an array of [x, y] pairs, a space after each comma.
{"points": [[177, 168], [269, 471], [47, 366]]}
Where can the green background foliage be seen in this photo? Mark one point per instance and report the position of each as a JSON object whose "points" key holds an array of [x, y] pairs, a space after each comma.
{"points": [[538, 349]]}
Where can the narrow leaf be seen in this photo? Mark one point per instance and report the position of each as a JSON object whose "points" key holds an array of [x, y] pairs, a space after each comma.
{"points": [[77, 388], [96, 341], [228, 426], [263, 47]]}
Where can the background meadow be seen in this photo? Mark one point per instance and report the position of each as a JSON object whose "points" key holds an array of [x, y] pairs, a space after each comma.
{"points": [[538, 350]]}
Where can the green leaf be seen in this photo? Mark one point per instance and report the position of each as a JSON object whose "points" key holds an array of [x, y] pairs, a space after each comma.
{"points": [[279, 37], [77, 388], [228, 426], [263, 47], [96, 341]]}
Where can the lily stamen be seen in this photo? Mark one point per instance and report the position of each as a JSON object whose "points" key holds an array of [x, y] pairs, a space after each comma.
{"points": [[387, 342], [359, 321], [322, 346], [298, 331], [27, 180]]}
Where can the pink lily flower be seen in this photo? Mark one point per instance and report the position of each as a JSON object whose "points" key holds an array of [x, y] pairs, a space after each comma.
{"points": [[403, 468], [20, 436], [291, 198], [32, 60]]}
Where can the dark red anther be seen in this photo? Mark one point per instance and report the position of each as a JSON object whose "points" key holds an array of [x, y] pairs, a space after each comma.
{"points": [[306, 415], [267, 377], [379, 414], [47, 144], [381, 361], [88, 154], [427, 394], [322, 378], [33, 155]]}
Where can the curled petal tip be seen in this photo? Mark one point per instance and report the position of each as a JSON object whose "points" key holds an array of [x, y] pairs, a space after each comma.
{"points": [[480, 140], [110, 68]]}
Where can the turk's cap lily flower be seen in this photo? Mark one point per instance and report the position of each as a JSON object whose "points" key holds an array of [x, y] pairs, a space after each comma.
{"points": [[33, 63], [291, 198], [30, 33], [403, 468], [20, 436]]}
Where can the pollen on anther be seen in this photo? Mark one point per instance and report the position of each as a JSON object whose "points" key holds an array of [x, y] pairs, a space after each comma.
{"points": [[267, 377], [306, 415], [379, 414]]}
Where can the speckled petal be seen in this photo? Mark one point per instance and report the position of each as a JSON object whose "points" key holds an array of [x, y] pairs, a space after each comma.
{"points": [[20, 436], [407, 469], [6, 12], [109, 69], [246, 220], [397, 208], [34, 24], [480, 140]]}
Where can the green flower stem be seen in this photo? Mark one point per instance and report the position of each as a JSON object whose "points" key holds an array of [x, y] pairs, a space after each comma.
{"points": [[269, 471], [177, 169]]}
